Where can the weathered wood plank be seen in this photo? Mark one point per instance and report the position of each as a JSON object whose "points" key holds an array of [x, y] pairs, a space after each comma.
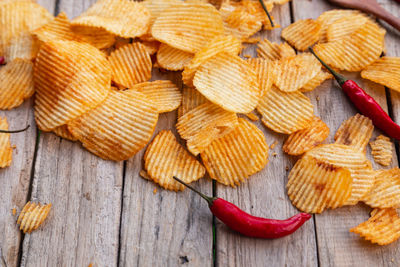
{"points": [[264, 195]]}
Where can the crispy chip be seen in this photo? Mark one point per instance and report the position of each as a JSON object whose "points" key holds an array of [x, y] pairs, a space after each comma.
{"points": [[16, 83], [345, 26], [265, 74], [251, 116], [355, 132], [188, 26], [191, 98], [166, 158], [156, 7], [171, 58], [130, 64], [274, 51], [151, 46], [95, 36], [382, 228], [70, 79], [254, 8], [239, 154], [23, 46], [304, 140], [63, 132], [124, 18], [230, 82], [302, 34], [203, 124], [163, 94], [32, 216], [385, 71], [382, 150], [386, 190], [285, 112], [316, 81], [314, 185], [5, 145], [144, 175]]}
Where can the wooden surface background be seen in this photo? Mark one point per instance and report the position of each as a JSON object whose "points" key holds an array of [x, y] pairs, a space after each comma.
{"points": [[104, 213]]}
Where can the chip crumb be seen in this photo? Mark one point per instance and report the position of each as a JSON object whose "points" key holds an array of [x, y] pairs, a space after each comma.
{"points": [[247, 56], [252, 40], [14, 211], [90, 265], [272, 146], [251, 116], [317, 98], [155, 191], [287, 168], [274, 154]]}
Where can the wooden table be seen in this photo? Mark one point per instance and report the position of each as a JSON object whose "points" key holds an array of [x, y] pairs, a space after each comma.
{"points": [[104, 213]]}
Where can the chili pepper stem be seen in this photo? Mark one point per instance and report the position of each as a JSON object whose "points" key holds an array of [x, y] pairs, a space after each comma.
{"points": [[267, 12], [15, 131], [339, 78], [210, 200]]}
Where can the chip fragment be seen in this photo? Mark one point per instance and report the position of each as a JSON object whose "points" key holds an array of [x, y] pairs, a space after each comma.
{"points": [[32, 216], [273, 51], [5, 145], [63, 132], [172, 59], [302, 33], [385, 71], [191, 98], [382, 150], [316, 81], [345, 26], [264, 71], [166, 158], [386, 190]]}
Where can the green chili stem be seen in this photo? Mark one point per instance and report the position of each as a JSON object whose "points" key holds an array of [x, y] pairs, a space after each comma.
{"points": [[339, 78], [207, 198], [266, 12]]}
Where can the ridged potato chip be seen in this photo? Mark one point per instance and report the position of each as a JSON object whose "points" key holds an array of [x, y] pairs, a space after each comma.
{"points": [[163, 94], [382, 150], [385, 71], [119, 127], [123, 18], [239, 154], [273, 51], [70, 79], [191, 98], [22, 46], [188, 26], [63, 132], [172, 59], [264, 71], [285, 112], [382, 228], [345, 26], [156, 7], [16, 83], [316, 81], [5, 145], [230, 82], [166, 158], [203, 124], [251, 116], [304, 140], [386, 190], [32, 216], [130, 64], [355, 132], [314, 185], [302, 33]]}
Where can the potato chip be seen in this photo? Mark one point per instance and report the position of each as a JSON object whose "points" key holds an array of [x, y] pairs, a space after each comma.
{"points": [[355, 132], [314, 185], [144, 175], [123, 18], [316, 81], [385, 71], [32, 216], [166, 158], [23, 46], [172, 59], [191, 98], [386, 190], [70, 79], [130, 64], [239, 154], [163, 94], [382, 228], [304, 140], [230, 82], [151, 46], [203, 124], [356, 162], [302, 33], [264, 71], [95, 36], [274, 51], [16, 83], [345, 26], [188, 26], [382, 150], [63, 132], [254, 8], [251, 116], [156, 7], [222, 43], [285, 112], [5, 145]]}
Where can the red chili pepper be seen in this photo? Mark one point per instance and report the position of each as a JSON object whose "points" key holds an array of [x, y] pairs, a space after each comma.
{"points": [[249, 225], [15, 131], [2, 60], [365, 103]]}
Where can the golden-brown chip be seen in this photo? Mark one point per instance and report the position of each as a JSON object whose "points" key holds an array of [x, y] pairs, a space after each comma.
{"points": [[382, 228], [314, 185], [191, 98], [166, 158], [265, 72], [156, 7], [23, 46], [5, 145], [163, 94], [254, 8], [130, 64], [386, 190], [285, 112], [382, 150], [316, 81], [355, 132], [32, 216], [252, 116], [63, 132], [345, 26], [302, 33], [230, 82], [273, 51], [239, 154], [151, 46], [304, 140], [385, 71], [171, 58], [203, 124], [16, 83]]}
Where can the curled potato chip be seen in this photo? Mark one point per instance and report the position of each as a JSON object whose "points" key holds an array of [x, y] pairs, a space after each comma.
{"points": [[382, 150], [302, 33], [385, 71], [264, 72], [130, 64], [386, 190], [171, 58], [166, 158], [16, 83], [382, 228], [5, 145], [23, 46], [304, 140], [70, 79], [119, 127], [191, 98], [345, 26], [314, 185], [316, 81], [63, 132], [230, 82], [237, 155], [285, 112], [355, 132], [273, 51], [32, 216]]}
